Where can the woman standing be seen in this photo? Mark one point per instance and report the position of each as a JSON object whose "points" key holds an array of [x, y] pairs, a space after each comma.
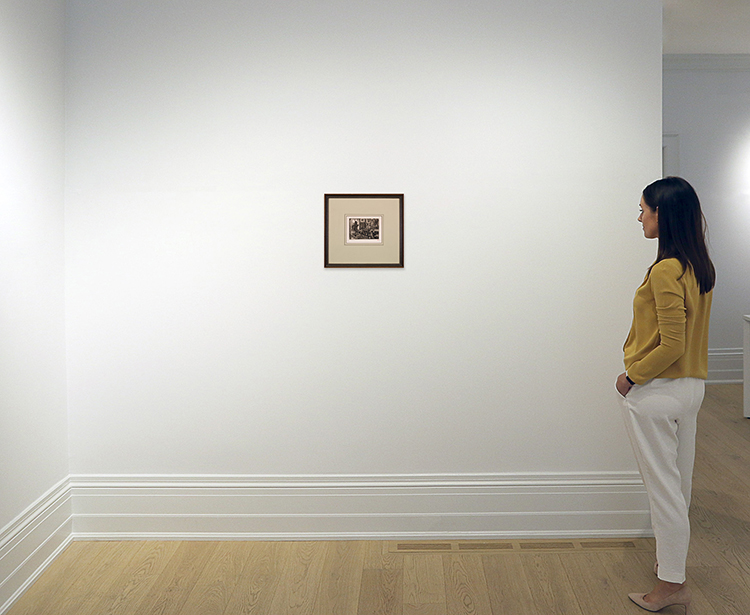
{"points": [[666, 362]]}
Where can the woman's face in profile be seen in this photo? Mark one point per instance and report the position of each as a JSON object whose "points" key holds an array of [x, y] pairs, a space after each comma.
{"points": [[649, 218]]}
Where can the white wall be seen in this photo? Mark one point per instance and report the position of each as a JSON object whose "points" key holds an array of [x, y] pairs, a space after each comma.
{"points": [[33, 424], [205, 336], [707, 105], [35, 511]]}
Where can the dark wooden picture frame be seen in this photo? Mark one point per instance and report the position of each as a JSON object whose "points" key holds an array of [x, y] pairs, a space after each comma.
{"points": [[364, 230]]}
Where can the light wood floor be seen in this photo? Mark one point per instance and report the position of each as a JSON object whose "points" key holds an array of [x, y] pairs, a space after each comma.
{"points": [[502, 577]]}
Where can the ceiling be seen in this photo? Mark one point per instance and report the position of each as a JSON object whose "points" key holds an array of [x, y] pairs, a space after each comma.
{"points": [[706, 26]]}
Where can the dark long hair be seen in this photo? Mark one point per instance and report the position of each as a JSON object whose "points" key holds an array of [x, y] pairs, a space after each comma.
{"points": [[682, 228]]}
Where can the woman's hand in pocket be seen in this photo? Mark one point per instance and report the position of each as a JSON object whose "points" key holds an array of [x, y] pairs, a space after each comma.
{"points": [[622, 385]]}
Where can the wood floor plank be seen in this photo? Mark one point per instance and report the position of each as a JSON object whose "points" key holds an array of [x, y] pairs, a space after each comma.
{"points": [[303, 570], [549, 584], [219, 580], [424, 584], [177, 579], [507, 585], [700, 603], [628, 572], [715, 445], [425, 609], [723, 431], [705, 545], [591, 583], [58, 579], [725, 594], [726, 403], [92, 586], [728, 536], [466, 585], [718, 472], [130, 582], [341, 579], [379, 557], [381, 592], [258, 580]]}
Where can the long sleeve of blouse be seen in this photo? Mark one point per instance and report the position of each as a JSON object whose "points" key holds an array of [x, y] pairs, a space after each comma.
{"points": [[669, 334]]}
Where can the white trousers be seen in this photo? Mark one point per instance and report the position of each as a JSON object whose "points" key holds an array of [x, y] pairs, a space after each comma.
{"points": [[660, 417]]}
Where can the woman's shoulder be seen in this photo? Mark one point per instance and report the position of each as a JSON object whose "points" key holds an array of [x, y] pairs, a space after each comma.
{"points": [[668, 272], [671, 274], [669, 267]]}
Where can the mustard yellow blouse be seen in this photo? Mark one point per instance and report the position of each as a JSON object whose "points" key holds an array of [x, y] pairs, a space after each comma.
{"points": [[669, 334]]}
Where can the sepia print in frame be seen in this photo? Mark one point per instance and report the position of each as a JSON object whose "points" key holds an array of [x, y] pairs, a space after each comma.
{"points": [[364, 230]]}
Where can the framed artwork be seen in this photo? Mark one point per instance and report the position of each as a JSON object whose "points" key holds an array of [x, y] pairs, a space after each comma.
{"points": [[364, 230]]}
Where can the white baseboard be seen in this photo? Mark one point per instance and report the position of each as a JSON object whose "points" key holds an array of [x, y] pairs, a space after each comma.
{"points": [[359, 507], [725, 366], [707, 61], [32, 541], [197, 507]]}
